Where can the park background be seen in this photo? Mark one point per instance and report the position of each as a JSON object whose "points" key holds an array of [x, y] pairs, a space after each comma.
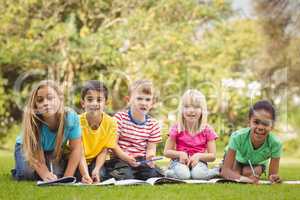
{"points": [[235, 52]]}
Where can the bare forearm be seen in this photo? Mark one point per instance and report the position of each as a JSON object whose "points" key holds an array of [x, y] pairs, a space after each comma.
{"points": [[151, 150], [172, 153], [207, 157], [73, 162], [274, 166], [83, 168], [40, 168], [228, 171], [101, 159], [230, 174], [120, 153]]}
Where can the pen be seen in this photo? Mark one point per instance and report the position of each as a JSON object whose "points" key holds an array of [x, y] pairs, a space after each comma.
{"points": [[153, 159], [51, 166], [253, 172]]}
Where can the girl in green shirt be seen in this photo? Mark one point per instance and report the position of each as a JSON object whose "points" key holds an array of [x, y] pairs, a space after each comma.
{"points": [[250, 148]]}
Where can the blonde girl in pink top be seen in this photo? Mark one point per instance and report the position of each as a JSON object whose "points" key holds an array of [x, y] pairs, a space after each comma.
{"points": [[191, 143]]}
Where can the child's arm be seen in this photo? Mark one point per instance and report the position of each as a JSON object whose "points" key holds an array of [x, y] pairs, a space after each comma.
{"points": [[83, 168], [100, 159], [210, 156], [124, 156], [227, 170], [42, 170], [75, 156], [150, 153], [151, 150], [170, 151], [273, 170]]}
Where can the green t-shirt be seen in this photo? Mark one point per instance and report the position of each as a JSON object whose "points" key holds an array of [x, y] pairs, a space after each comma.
{"points": [[240, 142]]}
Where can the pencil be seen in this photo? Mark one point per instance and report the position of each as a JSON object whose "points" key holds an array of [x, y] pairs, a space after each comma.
{"points": [[253, 172], [51, 166], [153, 159]]}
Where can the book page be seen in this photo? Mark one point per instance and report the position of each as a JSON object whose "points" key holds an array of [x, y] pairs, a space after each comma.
{"points": [[110, 181], [163, 180], [63, 180], [130, 182], [192, 181]]}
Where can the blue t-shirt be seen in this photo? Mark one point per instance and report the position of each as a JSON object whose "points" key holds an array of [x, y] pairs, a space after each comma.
{"points": [[72, 131]]}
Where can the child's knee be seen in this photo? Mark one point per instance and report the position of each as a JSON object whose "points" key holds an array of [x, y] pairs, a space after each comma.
{"points": [[121, 174], [22, 169], [200, 171], [24, 174], [182, 172]]}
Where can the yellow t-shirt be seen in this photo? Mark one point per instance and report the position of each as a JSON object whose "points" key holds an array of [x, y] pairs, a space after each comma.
{"points": [[94, 141]]}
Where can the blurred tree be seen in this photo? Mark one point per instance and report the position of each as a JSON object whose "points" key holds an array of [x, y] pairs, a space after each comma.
{"points": [[279, 60], [178, 44]]}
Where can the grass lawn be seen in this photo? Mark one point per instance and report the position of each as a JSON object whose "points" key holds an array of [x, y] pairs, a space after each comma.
{"points": [[28, 190]]}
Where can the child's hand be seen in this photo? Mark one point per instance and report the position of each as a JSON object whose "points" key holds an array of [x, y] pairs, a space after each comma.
{"points": [[244, 179], [183, 158], [132, 161], [274, 178], [48, 176], [194, 160], [95, 175], [86, 179], [150, 164], [254, 179]]}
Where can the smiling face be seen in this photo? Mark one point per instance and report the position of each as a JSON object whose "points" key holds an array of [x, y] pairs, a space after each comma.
{"points": [[93, 102], [191, 113], [47, 101], [261, 123]]}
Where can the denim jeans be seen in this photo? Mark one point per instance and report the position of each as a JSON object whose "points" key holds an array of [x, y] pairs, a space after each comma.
{"points": [[23, 171], [120, 170], [182, 171]]}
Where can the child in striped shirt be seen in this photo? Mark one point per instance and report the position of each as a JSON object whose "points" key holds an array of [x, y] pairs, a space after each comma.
{"points": [[138, 134]]}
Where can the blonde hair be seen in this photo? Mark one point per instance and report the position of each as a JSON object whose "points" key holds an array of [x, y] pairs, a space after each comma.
{"points": [[195, 98], [143, 86], [32, 122]]}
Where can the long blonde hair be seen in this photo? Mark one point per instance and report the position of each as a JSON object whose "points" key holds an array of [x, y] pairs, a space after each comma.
{"points": [[32, 122], [195, 98]]}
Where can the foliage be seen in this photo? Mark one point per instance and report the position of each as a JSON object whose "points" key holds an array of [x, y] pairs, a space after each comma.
{"points": [[176, 43], [278, 64]]}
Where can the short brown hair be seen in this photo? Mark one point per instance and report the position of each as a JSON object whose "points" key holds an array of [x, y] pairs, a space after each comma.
{"points": [[143, 86]]}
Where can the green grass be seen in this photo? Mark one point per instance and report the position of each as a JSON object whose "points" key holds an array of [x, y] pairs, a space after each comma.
{"points": [[28, 190]]}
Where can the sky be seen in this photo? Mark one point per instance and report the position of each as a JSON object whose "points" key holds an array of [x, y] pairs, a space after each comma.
{"points": [[244, 6]]}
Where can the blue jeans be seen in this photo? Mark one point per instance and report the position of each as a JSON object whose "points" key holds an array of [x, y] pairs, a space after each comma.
{"points": [[23, 171], [182, 171]]}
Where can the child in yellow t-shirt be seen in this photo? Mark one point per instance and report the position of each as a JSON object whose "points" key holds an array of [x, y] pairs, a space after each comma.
{"points": [[98, 131]]}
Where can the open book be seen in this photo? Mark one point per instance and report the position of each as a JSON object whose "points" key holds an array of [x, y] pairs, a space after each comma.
{"points": [[165, 180], [150, 181], [219, 180], [69, 180], [222, 180]]}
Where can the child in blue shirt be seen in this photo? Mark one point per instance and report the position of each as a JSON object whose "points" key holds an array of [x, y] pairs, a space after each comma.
{"points": [[47, 126]]}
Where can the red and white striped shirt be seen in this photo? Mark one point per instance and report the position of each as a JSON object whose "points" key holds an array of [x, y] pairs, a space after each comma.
{"points": [[133, 137]]}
